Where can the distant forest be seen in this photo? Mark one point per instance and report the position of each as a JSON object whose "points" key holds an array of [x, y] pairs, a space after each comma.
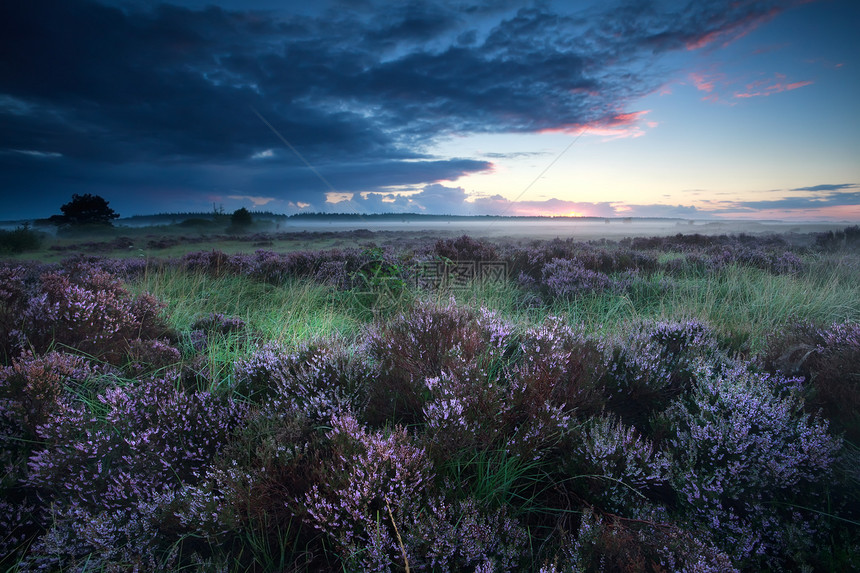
{"points": [[169, 217]]}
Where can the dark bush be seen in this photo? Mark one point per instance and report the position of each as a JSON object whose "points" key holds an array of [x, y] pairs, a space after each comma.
{"points": [[636, 546], [466, 248], [21, 240], [828, 360]]}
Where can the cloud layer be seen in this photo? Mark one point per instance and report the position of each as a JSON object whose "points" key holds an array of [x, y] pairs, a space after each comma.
{"points": [[131, 96]]}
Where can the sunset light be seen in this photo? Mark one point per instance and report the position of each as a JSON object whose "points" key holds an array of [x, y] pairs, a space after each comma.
{"points": [[672, 109]]}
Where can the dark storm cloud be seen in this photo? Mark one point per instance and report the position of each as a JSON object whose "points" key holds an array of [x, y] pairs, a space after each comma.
{"points": [[359, 89]]}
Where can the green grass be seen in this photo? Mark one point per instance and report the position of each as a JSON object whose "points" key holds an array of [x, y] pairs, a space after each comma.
{"points": [[287, 314], [743, 304]]}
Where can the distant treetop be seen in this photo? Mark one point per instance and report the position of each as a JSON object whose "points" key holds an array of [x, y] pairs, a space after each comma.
{"points": [[85, 209]]}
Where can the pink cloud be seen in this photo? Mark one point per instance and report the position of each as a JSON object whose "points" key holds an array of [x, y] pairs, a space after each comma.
{"points": [[622, 125], [774, 88]]}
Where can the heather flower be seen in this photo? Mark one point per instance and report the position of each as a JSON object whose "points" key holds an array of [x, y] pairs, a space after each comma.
{"points": [[93, 313], [625, 471], [318, 379], [368, 474], [110, 466], [745, 450]]}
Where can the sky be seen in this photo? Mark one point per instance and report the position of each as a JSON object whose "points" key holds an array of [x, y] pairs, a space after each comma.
{"points": [[717, 109]]}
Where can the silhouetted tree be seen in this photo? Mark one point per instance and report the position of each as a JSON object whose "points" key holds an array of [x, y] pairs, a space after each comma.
{"points": [[241, 218], [85, 209]]}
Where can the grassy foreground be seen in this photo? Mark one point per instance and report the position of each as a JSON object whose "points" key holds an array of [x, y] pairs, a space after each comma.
{"points": [[681, 404]]}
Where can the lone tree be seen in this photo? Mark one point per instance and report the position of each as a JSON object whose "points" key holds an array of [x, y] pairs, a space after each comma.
{"points": [[85, 210], [241, 218]]}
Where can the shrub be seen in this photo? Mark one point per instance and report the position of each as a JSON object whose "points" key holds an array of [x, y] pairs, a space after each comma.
{"points": [[368, 476], [617, 469], [424, 343], [827, 359], [744, 452], [652, 364], [568, 278], [466, 248], [20, 240], [247, 506], [376, 494], [150, 356], [563, 365], [319, 379], [94, 314], [215, 322], [112, 466], [613, 544], [32, 390]]}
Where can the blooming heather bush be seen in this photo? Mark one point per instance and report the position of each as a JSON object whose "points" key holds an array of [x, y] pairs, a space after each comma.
{"points": [[216, 322], [621, 470], [613, 544], [368, 474], [377, 482], [16, 289], [248, 502], [848, 238], [318, 379], [148, 356], [650, 365], [332, 273], [80, 265], [470, 413], [459, 535], [562, 365], [745, 452], [31, 390], [599, 259], [94, 314], [212, 262], [424, 343], [110, 466], [836, 377], [566, 278]]}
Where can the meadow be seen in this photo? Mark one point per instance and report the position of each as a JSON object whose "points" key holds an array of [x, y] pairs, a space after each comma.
{"points": [[403, 402]]}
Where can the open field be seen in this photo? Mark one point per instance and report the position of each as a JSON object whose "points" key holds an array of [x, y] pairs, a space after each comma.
{"points": [[675, 398], [177, 237]]}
